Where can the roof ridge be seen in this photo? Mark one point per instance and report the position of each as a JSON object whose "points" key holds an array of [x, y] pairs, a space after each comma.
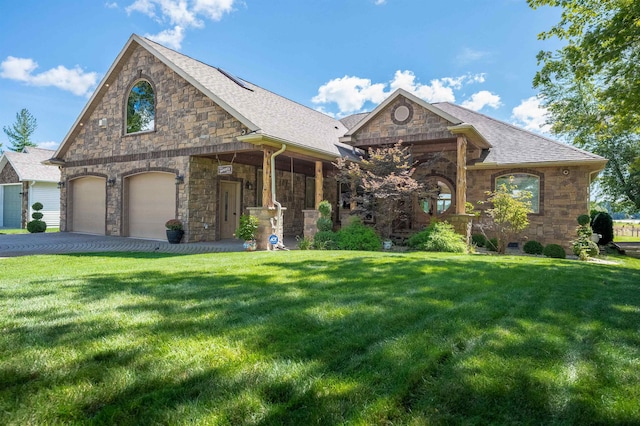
{"points": [[513, 126]]}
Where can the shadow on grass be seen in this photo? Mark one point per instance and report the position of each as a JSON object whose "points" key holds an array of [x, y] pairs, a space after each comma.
{"points": [[377, 339]]}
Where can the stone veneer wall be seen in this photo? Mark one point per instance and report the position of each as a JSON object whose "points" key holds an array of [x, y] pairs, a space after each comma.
{"points": [[9, 175], [563, 199]]}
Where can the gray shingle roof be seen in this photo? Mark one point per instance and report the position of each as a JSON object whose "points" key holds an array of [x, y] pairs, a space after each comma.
{"points": [[513, 145], [270, 114], [353, 119], [28, 165]]}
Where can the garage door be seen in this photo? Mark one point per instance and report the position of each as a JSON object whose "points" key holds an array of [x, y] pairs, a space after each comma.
{"points": [[88, 201], [152, 201], [12, 206]]}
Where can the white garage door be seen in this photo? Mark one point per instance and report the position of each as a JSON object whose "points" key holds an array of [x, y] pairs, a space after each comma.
{"points": [[88, 203], [152, 201]]}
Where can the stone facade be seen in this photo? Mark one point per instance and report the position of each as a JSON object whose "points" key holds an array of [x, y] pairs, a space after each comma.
{"points": [[9, 175]]}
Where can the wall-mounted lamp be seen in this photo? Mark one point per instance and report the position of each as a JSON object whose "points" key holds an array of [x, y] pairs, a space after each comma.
{"points": [[60, 185], [111, 182], [179, 179], [102, 122], [248, 185]]}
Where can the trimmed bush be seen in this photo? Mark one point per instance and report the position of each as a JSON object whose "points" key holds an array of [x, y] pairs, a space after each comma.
{"points": [[36, 225], [417, 240], [585, 249], [603, 224], [584, 219], [324, 224], [479, 240], [358, 236], [492, 244], [443, 238], [325, 208], [304, 243], [533, 247], [555, 251], [325, 240]]}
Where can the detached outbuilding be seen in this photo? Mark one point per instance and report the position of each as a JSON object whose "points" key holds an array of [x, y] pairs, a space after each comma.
{"points": [[24, 180]]}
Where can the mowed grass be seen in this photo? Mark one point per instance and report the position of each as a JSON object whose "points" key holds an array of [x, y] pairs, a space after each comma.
{"points": [[305, 338], [11, 231]]}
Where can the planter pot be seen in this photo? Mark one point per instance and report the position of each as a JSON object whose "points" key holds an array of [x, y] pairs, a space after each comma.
{"points": [[386, 245], [174, 236], [250, 245]]}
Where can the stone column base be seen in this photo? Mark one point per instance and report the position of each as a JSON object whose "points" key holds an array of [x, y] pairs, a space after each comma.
{"points": [[310, 222], [462, 225], [264, 215]]}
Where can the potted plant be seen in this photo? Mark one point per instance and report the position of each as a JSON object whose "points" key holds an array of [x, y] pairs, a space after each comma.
{"points": [[247, 231], [174, 231]]}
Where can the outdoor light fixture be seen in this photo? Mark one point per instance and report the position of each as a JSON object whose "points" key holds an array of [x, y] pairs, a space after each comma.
{"points": [[111, 182], [248, 185], [179, 179], [60, 185]]}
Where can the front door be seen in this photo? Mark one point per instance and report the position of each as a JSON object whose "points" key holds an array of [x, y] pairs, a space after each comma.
{"points": [[229, 208]]}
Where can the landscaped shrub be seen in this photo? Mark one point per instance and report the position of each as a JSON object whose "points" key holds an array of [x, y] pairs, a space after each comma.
{"points": [[583, 246], [324, 224], [555, 251], [37, 225], [325, 240], [492, 244], [443, 238], [417, 240], [602, 224], [584, 219], [478, 240], [358, 236], [304, 243], [533, 247]]}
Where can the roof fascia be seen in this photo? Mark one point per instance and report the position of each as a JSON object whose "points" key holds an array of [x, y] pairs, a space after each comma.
{"points": [[472, 133], [597, 165], [275, 142], [389, 100]]}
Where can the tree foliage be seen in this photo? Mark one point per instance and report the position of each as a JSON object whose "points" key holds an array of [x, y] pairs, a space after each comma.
{"points": [[19, 133], [140, 108], [384, 184], [591, 85], [507, 217]]}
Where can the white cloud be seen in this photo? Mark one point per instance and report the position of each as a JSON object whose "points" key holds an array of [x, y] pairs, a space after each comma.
{"points": [[112, 5], [351, 93], [468, 55], [531, 115], [482, 99], [49, 145], [379, 2], [73, 80], [181, 14], [171, 38]]}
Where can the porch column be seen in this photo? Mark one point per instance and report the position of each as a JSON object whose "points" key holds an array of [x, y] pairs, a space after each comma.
{"points": [[267, 196], [461, 180], [352, 201], [319, 183]]}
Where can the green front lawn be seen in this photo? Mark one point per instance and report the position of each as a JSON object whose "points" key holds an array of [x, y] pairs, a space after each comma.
{"points": [[23, 231], [318, 338]]}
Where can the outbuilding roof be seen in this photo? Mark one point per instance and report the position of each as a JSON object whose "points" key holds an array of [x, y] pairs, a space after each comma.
{"points": [[28, 164]]}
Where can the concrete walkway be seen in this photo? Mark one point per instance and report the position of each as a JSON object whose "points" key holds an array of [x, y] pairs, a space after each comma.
{"points": [[70, 242]]}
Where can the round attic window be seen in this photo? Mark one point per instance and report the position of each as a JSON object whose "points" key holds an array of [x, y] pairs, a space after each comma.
{"points": [[402, 114]]}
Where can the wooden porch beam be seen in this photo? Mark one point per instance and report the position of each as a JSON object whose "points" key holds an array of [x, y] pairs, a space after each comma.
{"points": [[319, 184], [267, 196], [461, 175]]}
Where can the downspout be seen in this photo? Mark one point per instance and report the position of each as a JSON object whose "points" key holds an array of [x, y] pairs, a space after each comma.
{"points": [[278, 225]]}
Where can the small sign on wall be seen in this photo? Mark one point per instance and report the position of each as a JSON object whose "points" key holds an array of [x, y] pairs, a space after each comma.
{"points": [[225, 170]]}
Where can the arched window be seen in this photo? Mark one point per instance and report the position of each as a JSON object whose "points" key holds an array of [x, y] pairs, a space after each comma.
{"points": [[141, 108], [441, 200], [523, 182]]}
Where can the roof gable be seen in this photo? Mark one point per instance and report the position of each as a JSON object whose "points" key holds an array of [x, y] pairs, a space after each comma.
{"points": [[29, 166]]}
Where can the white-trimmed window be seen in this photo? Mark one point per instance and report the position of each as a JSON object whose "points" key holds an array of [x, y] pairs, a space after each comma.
{"points": [[141, 108], [523, 182]]}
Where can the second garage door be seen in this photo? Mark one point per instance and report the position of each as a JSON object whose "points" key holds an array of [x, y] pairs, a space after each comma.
{"points": [[152, 201]]}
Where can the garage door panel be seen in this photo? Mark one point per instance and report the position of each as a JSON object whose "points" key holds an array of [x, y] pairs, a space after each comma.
{"points": [[152, 201], [12, 206], [88, 205]]}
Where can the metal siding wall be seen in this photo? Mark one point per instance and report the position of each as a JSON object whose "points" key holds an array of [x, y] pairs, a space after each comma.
{"points": [[48, 194]]}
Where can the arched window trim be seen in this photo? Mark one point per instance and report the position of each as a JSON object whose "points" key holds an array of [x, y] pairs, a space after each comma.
{"points": [[513, 172], [435, 177], [138, 79]]}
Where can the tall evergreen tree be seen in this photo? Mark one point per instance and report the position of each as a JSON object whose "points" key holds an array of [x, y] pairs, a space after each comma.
{"points": [[19, 133]]}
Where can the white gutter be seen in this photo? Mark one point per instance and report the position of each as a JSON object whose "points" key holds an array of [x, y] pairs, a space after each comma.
{"points": [[273, 193]]}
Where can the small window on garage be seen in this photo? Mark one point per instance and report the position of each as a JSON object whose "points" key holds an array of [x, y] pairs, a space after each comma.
{"points": [[141, 108]]}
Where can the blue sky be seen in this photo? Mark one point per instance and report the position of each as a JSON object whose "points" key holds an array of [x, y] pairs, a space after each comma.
{"points": [[337, 56]]}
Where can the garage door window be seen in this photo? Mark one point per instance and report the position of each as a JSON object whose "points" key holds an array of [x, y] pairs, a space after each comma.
{"points": [[141, 108]]}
